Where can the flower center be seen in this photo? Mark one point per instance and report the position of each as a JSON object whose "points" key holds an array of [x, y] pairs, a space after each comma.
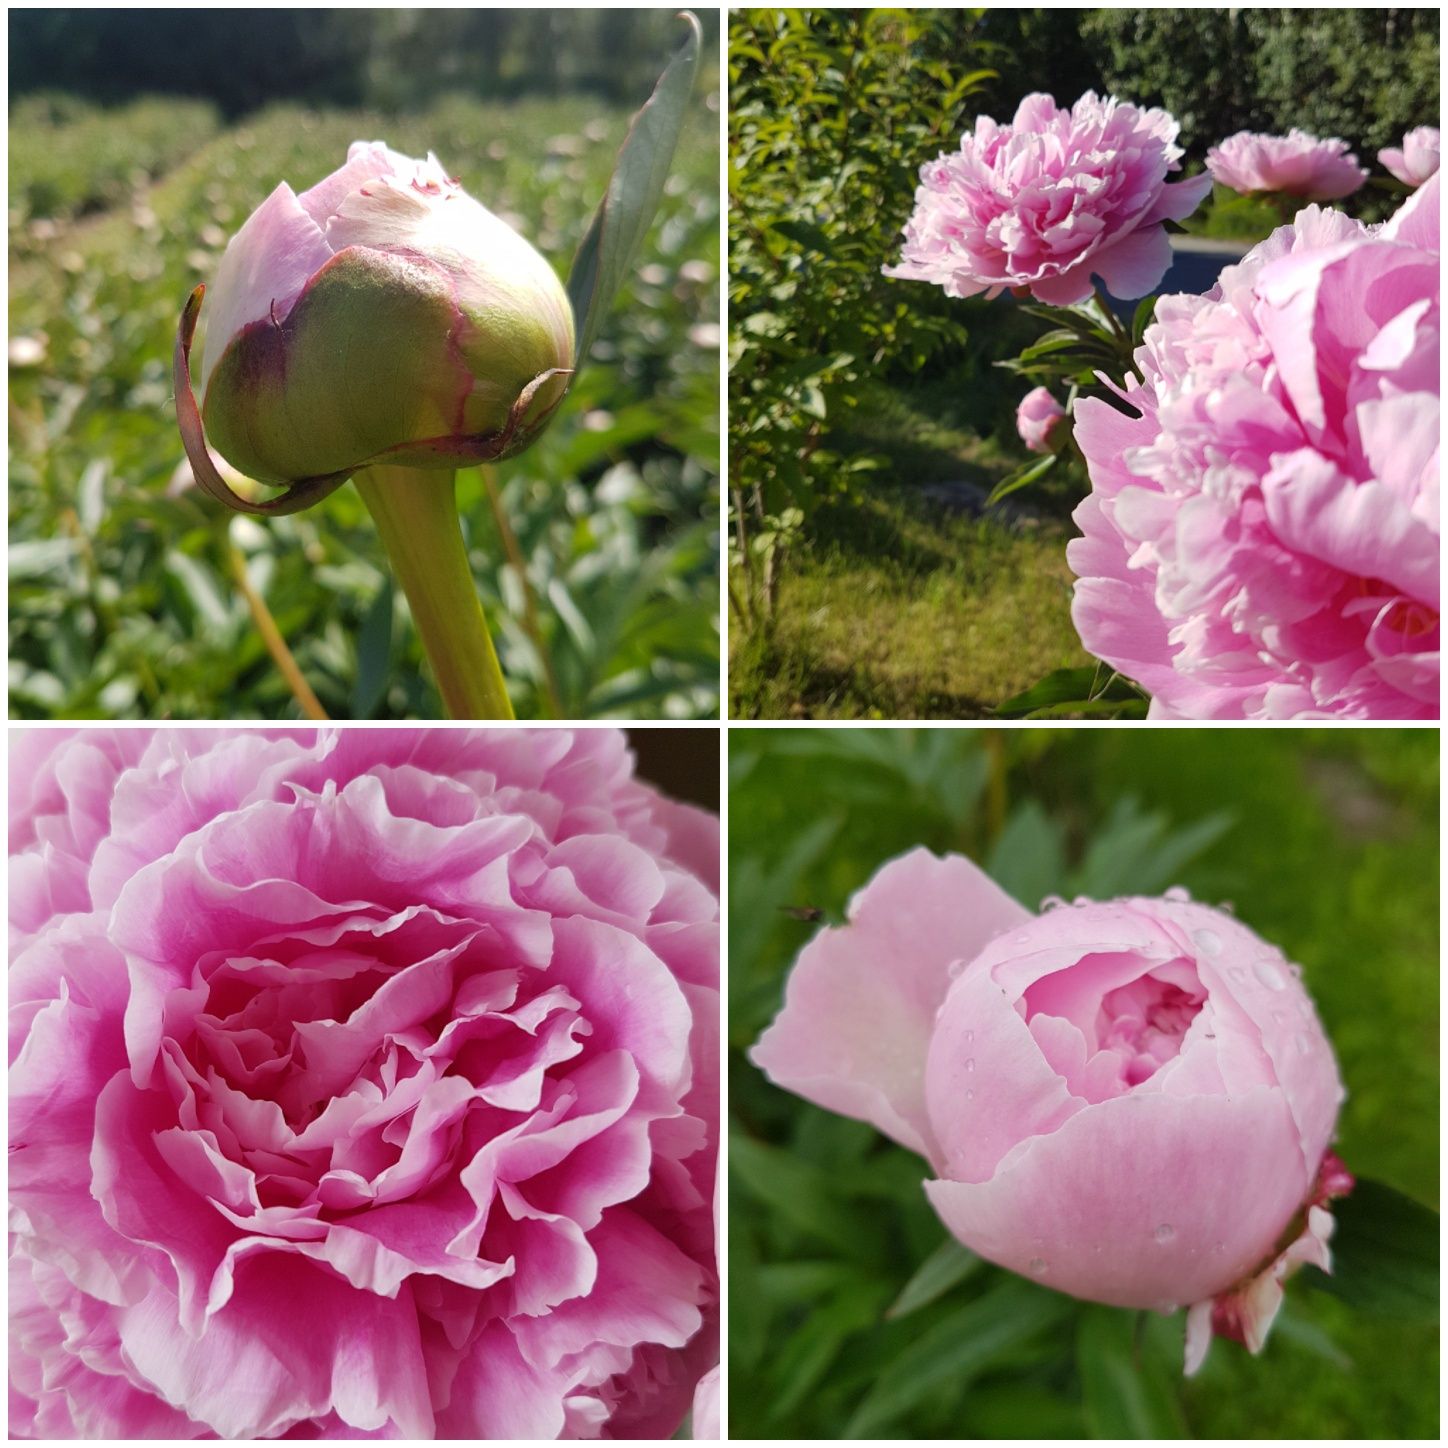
{"points": [[1104, 1036]]}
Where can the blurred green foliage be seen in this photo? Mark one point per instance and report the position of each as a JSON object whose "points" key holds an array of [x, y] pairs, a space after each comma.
{"points": [[122, 603], [851, 1312], [241, 60], [1364, 75], [831, 113]]}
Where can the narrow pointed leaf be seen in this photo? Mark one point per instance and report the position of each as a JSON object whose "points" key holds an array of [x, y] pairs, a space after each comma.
{"points": [[624, 214], [946, 1267]]}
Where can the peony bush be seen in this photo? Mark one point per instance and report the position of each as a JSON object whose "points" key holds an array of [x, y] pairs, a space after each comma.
{"points": [[364, 1083], [1262, 535], [1130, 1101]]}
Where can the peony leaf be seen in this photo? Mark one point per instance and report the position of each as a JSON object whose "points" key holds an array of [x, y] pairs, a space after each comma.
{"points": [[946, 1267], [1384, 1254], [628, 206], [1126, 1392], [958, 1348]]}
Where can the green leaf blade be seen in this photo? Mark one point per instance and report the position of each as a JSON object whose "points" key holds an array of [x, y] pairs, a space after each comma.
{"points": [[634, 189]]}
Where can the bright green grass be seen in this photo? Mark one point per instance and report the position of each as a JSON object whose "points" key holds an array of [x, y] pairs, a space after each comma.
{"points": [[893, 607]]}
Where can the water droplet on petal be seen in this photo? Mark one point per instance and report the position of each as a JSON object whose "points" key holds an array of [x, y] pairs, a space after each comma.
{"points": [[970, 1065], [1082, 900], [1303, 1043], [1038, 1266], [1178, 894], [1227, 908], [969, 1037], [1266, 971], [1052, 902], [1208, 942], [1165, 1232], [969, 1094], [1238, 974]]}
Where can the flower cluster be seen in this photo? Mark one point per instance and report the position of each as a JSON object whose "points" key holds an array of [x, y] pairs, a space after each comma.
{"points": [[1262, 535], [363, 1084]]}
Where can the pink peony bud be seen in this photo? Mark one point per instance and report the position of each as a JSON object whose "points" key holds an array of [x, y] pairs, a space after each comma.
{"points": [[1051, 200], [381, 316], [1295, 165], [1128, 1101], [1418, 158], [1262, 535], [1041, 422]]}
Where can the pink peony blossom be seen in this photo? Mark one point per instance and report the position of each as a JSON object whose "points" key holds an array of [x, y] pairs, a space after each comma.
{"points": [[1295, 165], [1051, 200], [1128, 1101], [1039, 420], [1262, 537], [1418, 158], [364, 1083]]}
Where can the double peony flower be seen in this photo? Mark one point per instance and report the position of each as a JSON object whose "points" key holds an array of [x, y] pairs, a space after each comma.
{"points": [[1296, 164], [363, 1083], [1128, 1101], [1045, 203], [1262, 535]]}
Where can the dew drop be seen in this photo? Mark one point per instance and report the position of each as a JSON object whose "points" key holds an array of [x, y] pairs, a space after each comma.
{"points": [[1178, 894], [1303, 1043], [1295, 971], [969, 1094], [969, 1037], [1280, 1017], [1038, 1266], [1052, 902], [1208, 942], [1165, 1232], [1266, 971], [1238, 974], [1227, 907], [970, 1065], [1023, 939], [1082, 900]]}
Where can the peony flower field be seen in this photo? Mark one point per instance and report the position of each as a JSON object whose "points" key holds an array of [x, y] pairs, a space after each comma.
{"points": [[602, 592], [1148, 425]]}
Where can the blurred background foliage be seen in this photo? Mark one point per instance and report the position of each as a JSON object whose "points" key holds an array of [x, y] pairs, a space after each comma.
{"points": [[124, 599], [851, 1313], [869, 575]]}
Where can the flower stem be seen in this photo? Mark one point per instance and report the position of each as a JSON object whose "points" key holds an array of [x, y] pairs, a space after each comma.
{"points": [[271, 635], [416, 513]]}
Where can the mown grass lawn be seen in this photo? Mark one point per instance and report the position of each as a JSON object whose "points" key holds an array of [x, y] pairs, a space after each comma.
{"points": [[897, 605]]}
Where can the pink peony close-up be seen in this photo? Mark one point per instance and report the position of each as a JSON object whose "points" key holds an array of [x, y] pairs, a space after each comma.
{"points": [[1130, 1101], [1294, 165], [1417, 159], [1041, 421], [1051, 200], [1262, 535], [364, 1083]]}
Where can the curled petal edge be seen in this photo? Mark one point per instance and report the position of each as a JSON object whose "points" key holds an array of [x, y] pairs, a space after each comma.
{"points": [[304, 492], [1246, 1311], [299, 495]]}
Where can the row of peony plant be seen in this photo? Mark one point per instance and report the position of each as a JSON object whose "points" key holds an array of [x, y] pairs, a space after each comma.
{"points": [[1261, 535]]}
